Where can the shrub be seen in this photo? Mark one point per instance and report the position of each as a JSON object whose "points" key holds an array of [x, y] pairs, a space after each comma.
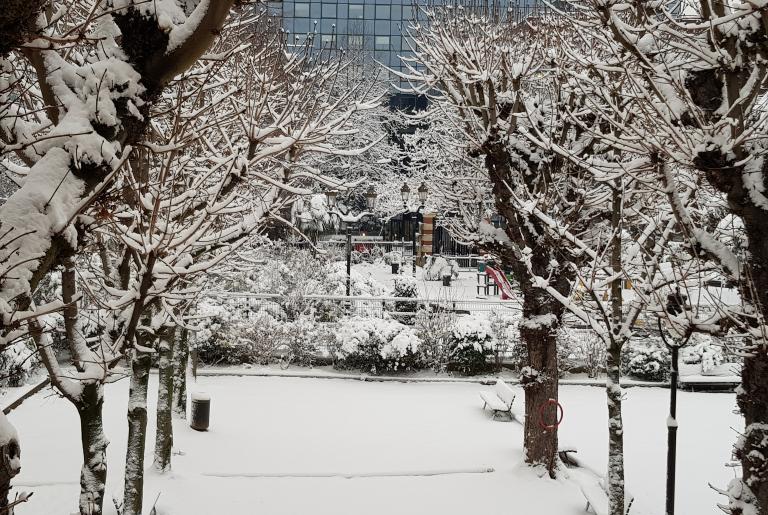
{"points": [[377, 345], [435, 330], [470, 345], [702, 349], [438, 267], [648, 361], [17, 362], [406, 286], [582, 349]]}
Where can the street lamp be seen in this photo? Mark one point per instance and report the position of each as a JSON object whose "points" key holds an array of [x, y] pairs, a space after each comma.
{"points": [[348, 220], [413, 216], [676, 303]]}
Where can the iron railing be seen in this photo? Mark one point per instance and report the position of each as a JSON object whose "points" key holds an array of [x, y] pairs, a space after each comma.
{"points": [[328, 306]]}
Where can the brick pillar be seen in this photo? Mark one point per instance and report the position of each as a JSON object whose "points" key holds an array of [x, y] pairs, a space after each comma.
{"points": [[426, 237]]}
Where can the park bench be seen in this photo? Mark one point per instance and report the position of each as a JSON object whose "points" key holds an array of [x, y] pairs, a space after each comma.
{"points": [[499, 399]]}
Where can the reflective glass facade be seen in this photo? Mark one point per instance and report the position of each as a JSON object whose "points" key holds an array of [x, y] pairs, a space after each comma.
{"points": [[374, 28]]}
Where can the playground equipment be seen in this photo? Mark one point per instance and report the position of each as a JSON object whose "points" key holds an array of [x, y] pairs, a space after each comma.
{"points": [[501, 282]]}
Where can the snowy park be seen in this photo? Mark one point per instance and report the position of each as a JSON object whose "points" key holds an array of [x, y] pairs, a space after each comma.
{"points": [[294, 445], [363, 256]]}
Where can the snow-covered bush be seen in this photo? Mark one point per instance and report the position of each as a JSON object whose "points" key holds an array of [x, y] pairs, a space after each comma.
{"points": [[405, 286], [702, 350], [503, 327], [393, 257], [435, 330], [262, 339], [646, 360], [362, 284], [376, 345], [438, 267], [17, 362], [470, 344], [581, 350]]}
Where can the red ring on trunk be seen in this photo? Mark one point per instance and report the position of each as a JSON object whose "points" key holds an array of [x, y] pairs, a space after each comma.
{"points": [[545, 405]]}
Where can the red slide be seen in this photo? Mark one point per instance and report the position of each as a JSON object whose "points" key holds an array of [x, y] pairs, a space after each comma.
{"points": [[501, 281]]}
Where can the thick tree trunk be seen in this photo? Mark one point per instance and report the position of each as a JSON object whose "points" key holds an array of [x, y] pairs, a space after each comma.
{"points": [[93, 475], [538, 330], [180, 364], [164, 434], [137, 434], [615, 433], [752, 448]]}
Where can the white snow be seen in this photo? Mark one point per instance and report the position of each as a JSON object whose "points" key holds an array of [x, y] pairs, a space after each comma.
{"points": [[288, 445]]}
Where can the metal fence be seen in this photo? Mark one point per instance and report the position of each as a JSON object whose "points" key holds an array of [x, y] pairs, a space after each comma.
{"points": [[325, 307]]}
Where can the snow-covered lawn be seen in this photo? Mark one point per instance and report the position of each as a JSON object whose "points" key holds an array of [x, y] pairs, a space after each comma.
{"points": [[304, 427]]}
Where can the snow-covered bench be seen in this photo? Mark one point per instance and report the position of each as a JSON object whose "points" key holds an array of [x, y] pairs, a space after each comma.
{"points": [[499, 399]]}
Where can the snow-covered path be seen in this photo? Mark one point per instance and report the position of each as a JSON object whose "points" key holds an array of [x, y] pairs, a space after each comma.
{"points": [[285, 426]]}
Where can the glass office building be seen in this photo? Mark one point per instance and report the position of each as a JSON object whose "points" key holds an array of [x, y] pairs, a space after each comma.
{"points": [[374, 28]]}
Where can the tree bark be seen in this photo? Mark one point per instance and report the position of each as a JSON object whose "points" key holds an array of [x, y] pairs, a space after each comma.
{"points": [[180, 364], [93, 475], [752, 448], [164, 434], [137, 434], [615, 433], [540, 377]]}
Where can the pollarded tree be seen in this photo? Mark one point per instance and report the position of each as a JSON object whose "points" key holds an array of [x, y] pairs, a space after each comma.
{"points": [[695, 79], [93, 72], [483, 71]]}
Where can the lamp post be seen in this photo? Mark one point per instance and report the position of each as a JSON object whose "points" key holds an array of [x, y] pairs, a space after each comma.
{"points": [[348, 220], [413, 216], [675, 305]]}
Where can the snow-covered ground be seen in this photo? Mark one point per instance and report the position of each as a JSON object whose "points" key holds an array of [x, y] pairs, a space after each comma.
{"points": [[390, 431], [463, 288]]}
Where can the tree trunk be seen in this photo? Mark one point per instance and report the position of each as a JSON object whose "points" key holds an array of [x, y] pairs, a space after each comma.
{"points": [[615, 433], [613, 365], [180, 364], [539, 378], [93, 475], [164, 434], [752, 398], [752, 448], [137, 434]]}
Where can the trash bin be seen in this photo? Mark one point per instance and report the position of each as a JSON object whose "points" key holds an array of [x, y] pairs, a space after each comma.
{"points": [[201, 411], [446, 280], [395, 268], [480, 266]]}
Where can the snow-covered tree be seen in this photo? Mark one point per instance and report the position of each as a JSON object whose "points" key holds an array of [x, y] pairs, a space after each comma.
{"points": [[694, 87], [483, 70]]}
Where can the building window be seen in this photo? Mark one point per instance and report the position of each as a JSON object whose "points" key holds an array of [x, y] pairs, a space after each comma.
{"points": [[382, 42], [355, 42], [407, 12], [382, 12], [329, 10], [328, 40], [301, 10], [356, 11]]}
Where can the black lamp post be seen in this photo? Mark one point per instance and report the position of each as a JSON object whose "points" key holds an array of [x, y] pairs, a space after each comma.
{"points": [[675, 305], [413, 216], [348, 220]]}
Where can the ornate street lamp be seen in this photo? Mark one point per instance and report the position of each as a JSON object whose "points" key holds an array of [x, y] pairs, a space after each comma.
{"points": [[405, 193], [423, 192], [370, 198], [676, 304]]}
